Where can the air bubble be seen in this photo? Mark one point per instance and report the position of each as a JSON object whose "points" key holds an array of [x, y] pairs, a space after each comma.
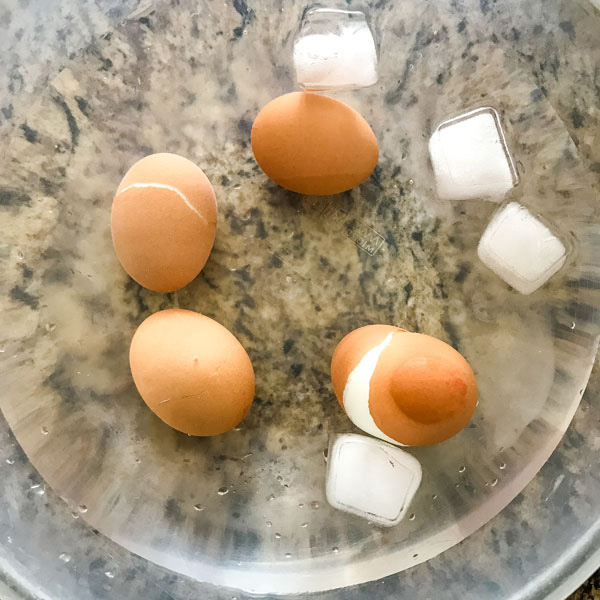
{"points": [[82, 508], [10, 461], [572, 326], [279, 478], [415, 555], [304, 525], [50, 327], [462, 469], [325, 454], [335, 549], [411, 67], [20, 255], [38, 489], [269, 524], [271, 497], [198, 507], [288, 555], [494, 483], [75, 514], [45, 431], [222, 491], [65, 557], [9, 539], [277, 536], [301, 505], [502, 466], [412, 517], [315, 504], [109, 574], [237, 186], [434, 497]]}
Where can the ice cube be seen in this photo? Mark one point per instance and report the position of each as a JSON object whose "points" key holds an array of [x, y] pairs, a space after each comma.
{"points": [[371, 479], [335, 49], [470, 157], [520, 249]]}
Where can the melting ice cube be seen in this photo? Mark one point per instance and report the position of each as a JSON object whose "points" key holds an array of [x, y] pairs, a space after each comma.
{"points": [[371, 479], [520, 249], [335, 49], [470, 157]]}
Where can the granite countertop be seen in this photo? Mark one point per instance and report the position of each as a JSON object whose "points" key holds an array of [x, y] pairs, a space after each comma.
{"points": [[89, 87], [590, 590]]}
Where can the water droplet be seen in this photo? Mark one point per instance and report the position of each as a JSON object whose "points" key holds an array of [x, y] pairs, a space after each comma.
{"points": [[9, 539], [277, 536], [223, 490], [245, 32], [45, 431], [503, 466], [237, 186], [82, 508], [10, 461], [457, 485], [75, 515], [411, 182], [138, 461], [412, 517], [64, 557], [288, 555], [411, 67], [434, 497], [269, 524], [494, 483], [335, 549], [325, 454], [301, 505], [462, 469], [486, 483], [572, 326], [50, 327], [271, 497], [279, 478], [109, 574], [419, 55], [304, 525], [198, 507], [315, 504]]}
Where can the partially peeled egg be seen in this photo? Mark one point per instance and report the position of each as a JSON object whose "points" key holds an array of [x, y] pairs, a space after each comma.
{"points": [[405, 388]]}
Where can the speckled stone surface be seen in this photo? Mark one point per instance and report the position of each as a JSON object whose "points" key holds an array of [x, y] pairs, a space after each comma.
{"points": [[92, 87]]}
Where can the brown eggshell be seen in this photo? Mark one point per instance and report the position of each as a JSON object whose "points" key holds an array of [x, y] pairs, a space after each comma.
{"points": [[422, 391], [163, 228], [191, 372], [313, 144]]}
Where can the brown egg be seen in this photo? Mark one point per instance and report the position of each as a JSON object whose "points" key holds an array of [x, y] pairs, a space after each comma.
{"points": [[192, 372], [313, 144], [405, 388], [163, 221]]}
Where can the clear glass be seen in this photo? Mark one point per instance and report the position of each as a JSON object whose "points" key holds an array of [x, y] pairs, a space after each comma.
{"points": [[289, 276]]}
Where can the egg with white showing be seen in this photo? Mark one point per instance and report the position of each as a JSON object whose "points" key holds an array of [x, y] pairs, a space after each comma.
{"points": [[405, 388]]}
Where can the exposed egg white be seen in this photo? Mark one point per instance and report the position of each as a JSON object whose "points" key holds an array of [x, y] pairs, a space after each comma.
{"points": [[356, 392]]}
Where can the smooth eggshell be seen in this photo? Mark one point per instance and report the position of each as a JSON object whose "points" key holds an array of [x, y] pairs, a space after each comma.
{"points": [[313, 144], [163, 228], [422, 390], [192, 372]]}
